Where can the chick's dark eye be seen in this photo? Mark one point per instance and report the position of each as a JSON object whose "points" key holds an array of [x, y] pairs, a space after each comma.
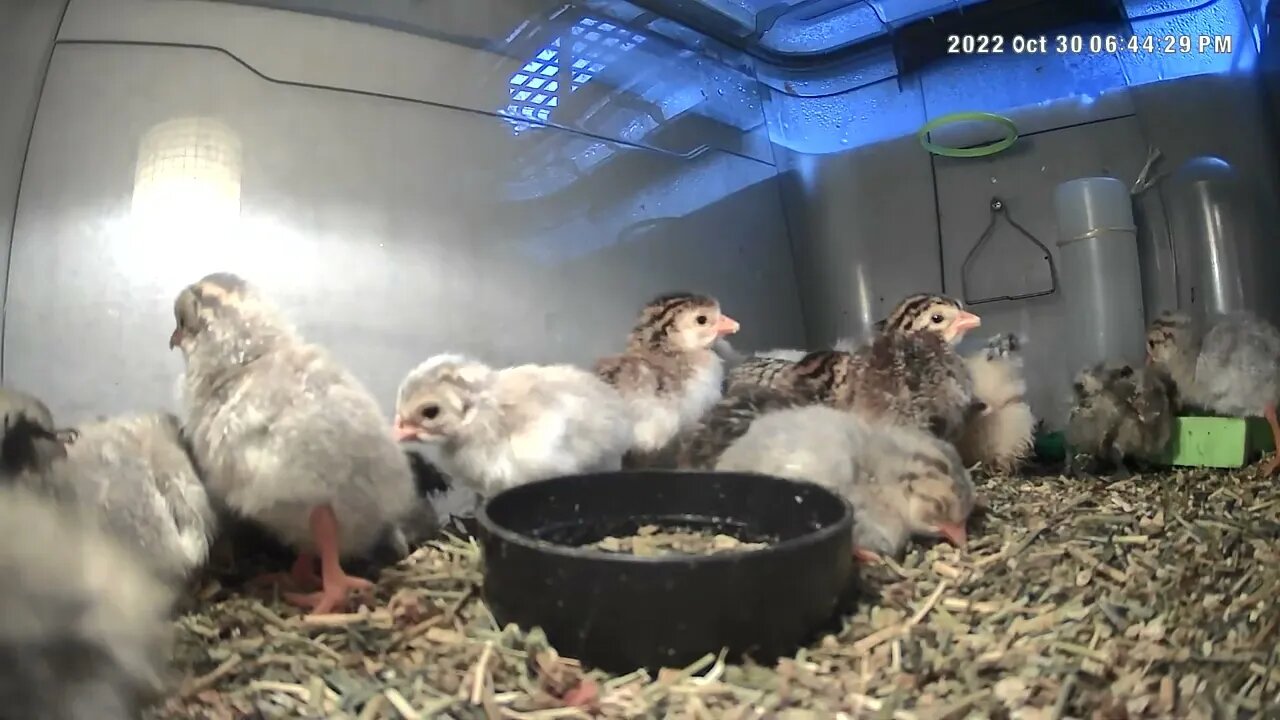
{"points": [[936, 318], [430, 412], [702, 319]]}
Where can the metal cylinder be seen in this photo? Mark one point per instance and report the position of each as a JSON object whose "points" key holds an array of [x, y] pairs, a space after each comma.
{"points": [[1214, 228], [1100, 276]]}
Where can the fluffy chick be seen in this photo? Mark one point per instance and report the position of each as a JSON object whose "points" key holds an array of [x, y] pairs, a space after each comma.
{"points": [[900, 481], [1119, 412], [285, 435], [136, 471], [910, 373], [1233, 371], [1002, 432], [497, 429], [132, 474], [669, 373], [84, 632]]}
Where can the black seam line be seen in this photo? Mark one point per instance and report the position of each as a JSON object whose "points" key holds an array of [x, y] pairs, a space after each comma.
{"points": [[22, 172], [690, 155]]}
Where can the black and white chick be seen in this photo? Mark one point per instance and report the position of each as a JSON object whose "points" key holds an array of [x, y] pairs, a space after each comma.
{"points": [[1119, 413], [286, 436], [670, 373], [1002, 433], [31, 442], [496, 429], [1233, 371], [900, 481]]}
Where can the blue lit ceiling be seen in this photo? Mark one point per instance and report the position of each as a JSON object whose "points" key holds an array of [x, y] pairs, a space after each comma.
{"points": [[816, 27]]}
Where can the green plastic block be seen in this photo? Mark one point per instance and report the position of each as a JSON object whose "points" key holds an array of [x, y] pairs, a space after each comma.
{"points": [[1050, 446], [1218, 442]]}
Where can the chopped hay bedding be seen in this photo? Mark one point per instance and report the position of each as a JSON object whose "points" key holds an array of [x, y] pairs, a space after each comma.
{"points": [[1153, 597]]}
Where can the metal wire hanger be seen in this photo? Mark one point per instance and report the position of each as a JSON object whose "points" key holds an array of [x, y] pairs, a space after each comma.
{"points": [[1000, 209]]}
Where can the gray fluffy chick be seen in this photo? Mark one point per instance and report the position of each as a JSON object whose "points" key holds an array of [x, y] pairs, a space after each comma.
{"points": [[1234, 371], [84, 632], [900, 481], [1119, 412], [134, 474], [285, 435]]}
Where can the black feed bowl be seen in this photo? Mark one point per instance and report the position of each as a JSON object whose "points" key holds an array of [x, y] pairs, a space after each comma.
{"points": [[619, 612]]}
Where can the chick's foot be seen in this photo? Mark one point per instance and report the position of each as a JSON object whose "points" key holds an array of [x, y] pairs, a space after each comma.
{"points": [[337, 584], [1273, 464], [334, 596], [1270, 467]]}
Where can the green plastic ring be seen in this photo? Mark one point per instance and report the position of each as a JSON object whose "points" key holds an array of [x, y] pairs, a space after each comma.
{"points": [[1011, 135]]}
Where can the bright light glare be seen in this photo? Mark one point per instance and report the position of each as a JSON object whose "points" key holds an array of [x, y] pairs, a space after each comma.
{"points": [[186, 198]]}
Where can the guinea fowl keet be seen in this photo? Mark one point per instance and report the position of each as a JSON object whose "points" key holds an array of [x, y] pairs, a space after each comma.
{"points": [[900, 481], [1119, 412], [669, 374], [133, 474], [496, 429], [285, 435], [908, 374], [1001, 434], [1234, 370]]}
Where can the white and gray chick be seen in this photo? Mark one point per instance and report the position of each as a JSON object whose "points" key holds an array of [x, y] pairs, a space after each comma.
{"points": [[1233, 371], [285, 435], [900, 481], [1000, 435], [496, 429]]}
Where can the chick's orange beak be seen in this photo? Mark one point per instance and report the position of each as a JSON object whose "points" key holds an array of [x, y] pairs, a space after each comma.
{"points": [[966, 321], [176, 338], [403, 431], [955, 533], [726, 326]]}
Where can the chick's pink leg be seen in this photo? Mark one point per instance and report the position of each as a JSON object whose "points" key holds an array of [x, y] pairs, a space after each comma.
{"points": [[865, 556], [336, 582], [1274, 463], [302, 574]]}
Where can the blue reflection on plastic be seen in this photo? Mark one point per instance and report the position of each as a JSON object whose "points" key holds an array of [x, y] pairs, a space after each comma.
{"points": [[1195, 38], [569, 61]]}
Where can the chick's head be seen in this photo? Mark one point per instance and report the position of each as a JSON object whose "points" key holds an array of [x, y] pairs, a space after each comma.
{"points": [[682, 322], [440, 398], [1171, 337], [1089, 383], [940, 496], [28, 438], [226, 316], [934, 313]]}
